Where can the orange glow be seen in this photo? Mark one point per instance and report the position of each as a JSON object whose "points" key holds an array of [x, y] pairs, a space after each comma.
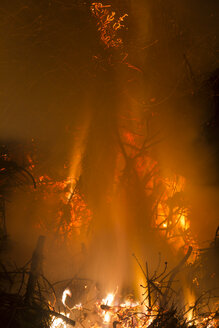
{"points": [[72, 212], [172, 215]]}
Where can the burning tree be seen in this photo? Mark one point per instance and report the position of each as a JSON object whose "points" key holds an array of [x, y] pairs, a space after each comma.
{"points": [[116, 198]]}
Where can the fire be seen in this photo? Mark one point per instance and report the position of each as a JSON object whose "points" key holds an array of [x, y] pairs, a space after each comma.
{"points": [[72, 212], [129, 303], [108, 301], [131, 313], [172, 214], [190, 297], [108, 26], [107, 317], [59, 322], [125, 314], [66, 293], [171, 208]]}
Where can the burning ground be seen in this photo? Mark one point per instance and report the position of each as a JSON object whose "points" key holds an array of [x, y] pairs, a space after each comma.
{"points": [[109, 149]]}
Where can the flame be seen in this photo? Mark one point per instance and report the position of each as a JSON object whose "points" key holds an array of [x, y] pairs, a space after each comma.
{"points": [[125, 312], [59, 322], [107, 317], [109, 302], [172, 215], [129, 303], [66, 293], [109, 299], [131, 312]]}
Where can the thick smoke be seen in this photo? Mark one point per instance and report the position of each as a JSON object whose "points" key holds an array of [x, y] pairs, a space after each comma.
{"points": [[54, 82]]}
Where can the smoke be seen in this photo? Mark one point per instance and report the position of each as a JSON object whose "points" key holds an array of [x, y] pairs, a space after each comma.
{"points": [[60, 87]]}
